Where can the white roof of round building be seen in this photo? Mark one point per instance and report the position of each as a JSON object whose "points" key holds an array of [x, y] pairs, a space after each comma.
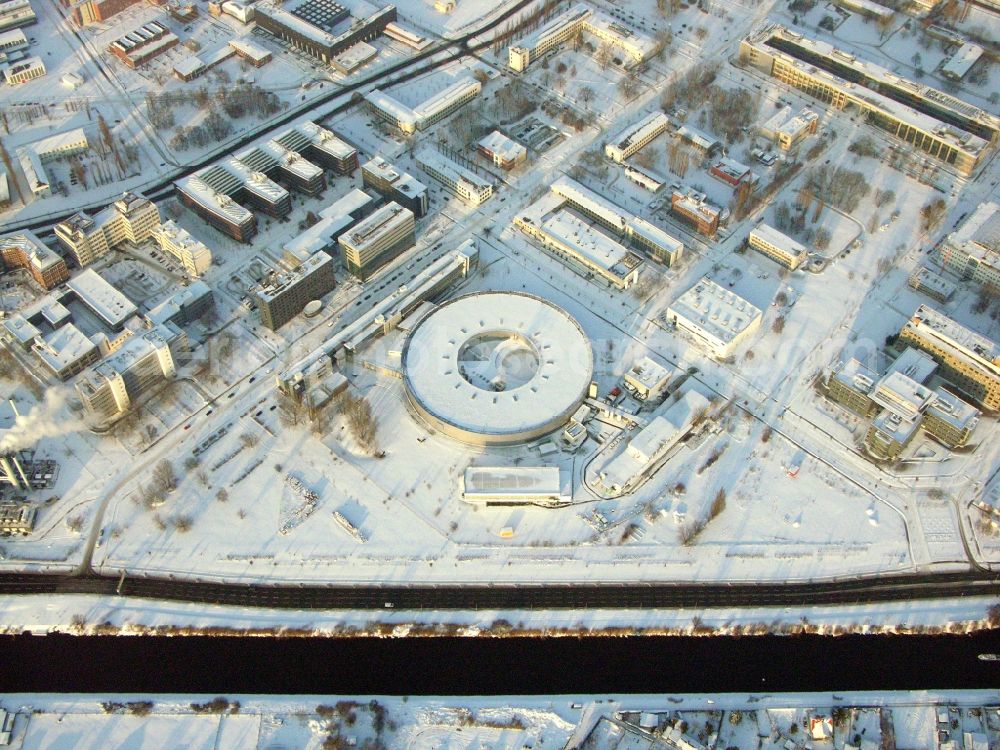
{"points": [[498, 366]]}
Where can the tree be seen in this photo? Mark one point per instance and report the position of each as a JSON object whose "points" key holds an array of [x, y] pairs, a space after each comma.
{"points": [[779, 324], [603, 55], [822, 238], [932, 214], [222, 495], [585, 94], [164, 478]]}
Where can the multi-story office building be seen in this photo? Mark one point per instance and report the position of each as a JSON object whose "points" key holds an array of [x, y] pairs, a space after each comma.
{"points": [[320, 146], [389, 182], [578, 241], [193, 255], [635, 47], [109, 388], [302, 33], [717, 319], [640, 232], [278, 162], [695, 209], [505, 152], [131, 218], [189, 304], [421, 117], [283, 295], [973, 250], [24, 71], [66, 351], [933, 284], [456, 179], [932, 121], [16, 13], [377, 239], [965, 358], [25, 250], [901, 404], [635, 136], [213, 193], [777, 246], [86, 12], [217, 208], [849, 384], [334, 220]]}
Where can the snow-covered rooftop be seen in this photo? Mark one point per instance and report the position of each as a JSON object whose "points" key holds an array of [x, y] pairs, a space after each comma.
{"points": [[113, 307], [441, 380]]}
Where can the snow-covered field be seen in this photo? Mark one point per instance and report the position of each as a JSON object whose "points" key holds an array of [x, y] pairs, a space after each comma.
{"points": [[749, 722], [260, 497]]}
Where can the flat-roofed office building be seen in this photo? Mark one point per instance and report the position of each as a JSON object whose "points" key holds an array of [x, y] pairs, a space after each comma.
{"points": [[378, 238]]}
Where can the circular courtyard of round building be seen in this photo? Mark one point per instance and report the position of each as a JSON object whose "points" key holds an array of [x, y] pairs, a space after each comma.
{"points": [[497, 368]]}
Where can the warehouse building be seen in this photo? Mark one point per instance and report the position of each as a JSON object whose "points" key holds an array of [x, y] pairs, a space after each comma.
{"points": [[972, 252], [143, 44], [282, 296], [192, 254], [777, 246], [932, 121], [652, 443], [389, 182], [634, 137], [106, 302], [132, 218], [965, 358], [25, 250], [502, 486], [24, 71], [717, 319], [377, 239], [456, 179]]}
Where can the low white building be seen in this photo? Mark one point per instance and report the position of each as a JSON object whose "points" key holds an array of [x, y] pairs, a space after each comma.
{"points": [[633, 137], [546, 486], [647, 379], [652, 443], [717, 319], [505, 152]]}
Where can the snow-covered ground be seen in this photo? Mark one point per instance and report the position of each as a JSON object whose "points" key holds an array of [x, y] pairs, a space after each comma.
{"points": [[749, 722], [239, 510]]}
